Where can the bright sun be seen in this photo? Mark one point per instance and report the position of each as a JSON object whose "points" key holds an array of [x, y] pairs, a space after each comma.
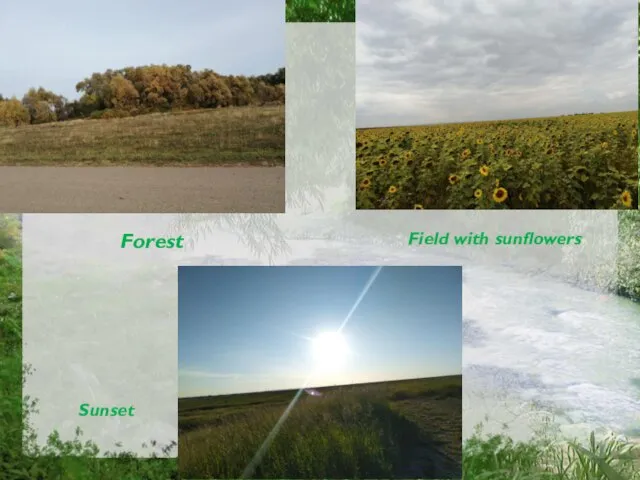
{"points": [[329, 350]]}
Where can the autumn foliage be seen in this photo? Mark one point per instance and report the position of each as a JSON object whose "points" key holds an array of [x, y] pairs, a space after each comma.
{"points": [[139, 90]]}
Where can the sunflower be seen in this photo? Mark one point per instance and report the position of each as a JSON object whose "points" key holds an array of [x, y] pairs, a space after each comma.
{"points": [[479, 141], [484, 170], [365, 183], [626, 198], [383, 162], [465, 153], [453, 178], [500, 194], [417, 206], [477, 193], [393, 189]]}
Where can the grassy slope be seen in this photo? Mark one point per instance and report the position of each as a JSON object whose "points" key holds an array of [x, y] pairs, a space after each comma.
{"points": [[395, 429], [225, 136]]}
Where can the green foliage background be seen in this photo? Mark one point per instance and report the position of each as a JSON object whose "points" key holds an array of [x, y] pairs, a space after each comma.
{"points": [[487, 457], [321, 11], [628, 258], [79, 460]]}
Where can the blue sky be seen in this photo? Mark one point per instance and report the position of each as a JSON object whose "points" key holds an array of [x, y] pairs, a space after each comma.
{"points": [[57, 44], [246, 329]]}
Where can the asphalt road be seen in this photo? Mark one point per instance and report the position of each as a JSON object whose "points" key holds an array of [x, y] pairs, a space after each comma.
{"points": [[142, 189]]}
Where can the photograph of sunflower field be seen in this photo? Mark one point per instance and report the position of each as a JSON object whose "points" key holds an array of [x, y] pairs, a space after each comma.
{"points": [[496, 105]]}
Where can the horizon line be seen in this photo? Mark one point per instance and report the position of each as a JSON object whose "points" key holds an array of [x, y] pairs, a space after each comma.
{"points": [[458, 122], [320, 386]]}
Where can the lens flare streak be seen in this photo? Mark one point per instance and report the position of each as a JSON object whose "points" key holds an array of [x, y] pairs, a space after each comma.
{"points": [[248, 471]]}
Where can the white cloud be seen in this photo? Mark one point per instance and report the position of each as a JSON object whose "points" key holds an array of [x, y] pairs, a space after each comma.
{"points": [[431, 61]]}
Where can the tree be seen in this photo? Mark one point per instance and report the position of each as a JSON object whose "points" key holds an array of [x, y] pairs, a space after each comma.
{"points": [[124, 95], [276, 78], [151, 88], [241, 90], [215, 91], [13, 113], [96, 88], [44, 106]]}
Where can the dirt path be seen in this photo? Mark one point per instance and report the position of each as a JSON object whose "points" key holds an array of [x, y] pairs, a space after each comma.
{"points": [[439, 453], [142, 189]]}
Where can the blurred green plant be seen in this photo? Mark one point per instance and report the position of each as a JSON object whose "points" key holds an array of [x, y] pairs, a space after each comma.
{"points": [[628, 261], [321, 11], [498, 457], [21, 457]]}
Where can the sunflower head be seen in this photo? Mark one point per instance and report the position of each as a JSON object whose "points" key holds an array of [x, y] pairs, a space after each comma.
{"points": [[500, 194], [453, 179], [626, 199], [477, 193], [484, 170], [393, 189]]}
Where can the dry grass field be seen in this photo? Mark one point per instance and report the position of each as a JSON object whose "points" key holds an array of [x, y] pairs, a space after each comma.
{"points": [[402, 429], [213, 137]]}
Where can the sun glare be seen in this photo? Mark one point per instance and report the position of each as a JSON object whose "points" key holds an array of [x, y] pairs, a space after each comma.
{"points": [[329, 350]]}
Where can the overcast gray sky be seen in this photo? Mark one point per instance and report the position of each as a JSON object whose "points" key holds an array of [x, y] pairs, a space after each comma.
{"points": [[56, 44], [433, 61]]}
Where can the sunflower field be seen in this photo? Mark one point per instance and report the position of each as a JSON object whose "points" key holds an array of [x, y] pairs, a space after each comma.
{"points": [[584, 161]]}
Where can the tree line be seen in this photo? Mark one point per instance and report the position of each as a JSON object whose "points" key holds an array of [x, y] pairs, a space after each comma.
{"points": [[138, 90]]}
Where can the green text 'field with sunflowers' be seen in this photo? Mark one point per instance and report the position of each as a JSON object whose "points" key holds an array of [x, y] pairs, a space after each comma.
{"points": [[582, 161]]}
